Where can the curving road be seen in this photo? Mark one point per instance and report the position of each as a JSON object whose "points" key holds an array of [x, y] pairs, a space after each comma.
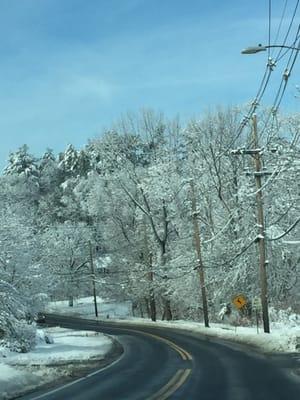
{"points": [[160, 364]]}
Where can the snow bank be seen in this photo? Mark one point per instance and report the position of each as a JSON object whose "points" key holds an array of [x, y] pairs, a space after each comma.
{"points": [[281, 339], [68, 345], [13, 380], [23, 371]]}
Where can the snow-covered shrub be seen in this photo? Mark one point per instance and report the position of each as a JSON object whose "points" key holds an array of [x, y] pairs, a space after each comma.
{"points": [[284, 317], [16, 333], [25, 337], [22, 340]]}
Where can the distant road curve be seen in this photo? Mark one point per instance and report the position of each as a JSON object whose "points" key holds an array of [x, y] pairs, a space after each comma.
{"points": [[160, 364]]}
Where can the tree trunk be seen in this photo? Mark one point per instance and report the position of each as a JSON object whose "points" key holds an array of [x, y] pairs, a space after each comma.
{"points": [[147, 306], [71, 301], [152, 302], [141, 310], [152, 306], [167, 314]]}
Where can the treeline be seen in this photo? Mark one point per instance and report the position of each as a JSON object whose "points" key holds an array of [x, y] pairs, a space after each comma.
{"points": [[128, 193]]}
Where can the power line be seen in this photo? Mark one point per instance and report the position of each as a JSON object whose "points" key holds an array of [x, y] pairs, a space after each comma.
{"points": [[293, 44], [269, 33], [255, 103], [289, 29], [284, 81], [266, 77], [280, 23]]}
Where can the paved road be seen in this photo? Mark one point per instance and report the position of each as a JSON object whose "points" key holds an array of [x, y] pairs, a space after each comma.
{"points": [[160, 364]]}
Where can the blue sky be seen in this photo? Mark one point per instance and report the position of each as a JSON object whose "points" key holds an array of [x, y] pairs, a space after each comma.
{"points": [[69, 68]]}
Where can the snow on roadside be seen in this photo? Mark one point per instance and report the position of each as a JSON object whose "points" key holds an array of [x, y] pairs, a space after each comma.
{"points": [[43, 364], [69, 345], [280, 340], [13, 380], [284, 336]]}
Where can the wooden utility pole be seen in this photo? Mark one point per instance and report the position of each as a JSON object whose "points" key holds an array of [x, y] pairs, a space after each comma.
{"points": [[259, 173], [152, 296], [93, 278], [261, 227], [149, 262], [200, 267]]}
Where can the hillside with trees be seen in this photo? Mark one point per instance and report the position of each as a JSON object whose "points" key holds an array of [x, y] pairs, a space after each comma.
{"points": [[164, 202]]}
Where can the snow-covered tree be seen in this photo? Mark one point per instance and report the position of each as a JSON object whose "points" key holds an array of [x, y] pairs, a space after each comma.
{"points": [[65, 255], [129, 192], [22, 163]]}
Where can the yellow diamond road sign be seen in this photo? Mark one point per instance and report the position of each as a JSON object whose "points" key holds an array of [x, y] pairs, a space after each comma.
{"points": [[239, 301]]}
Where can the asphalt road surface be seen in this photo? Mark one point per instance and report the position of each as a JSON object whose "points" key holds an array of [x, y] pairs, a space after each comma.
{"points": [[160, 364]]}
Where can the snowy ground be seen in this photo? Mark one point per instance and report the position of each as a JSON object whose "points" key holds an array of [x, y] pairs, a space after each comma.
{"points": [[281, 340], [85, 307], [47, 362], [284, 336]]}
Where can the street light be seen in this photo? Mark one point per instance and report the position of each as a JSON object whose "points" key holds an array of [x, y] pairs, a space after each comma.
{"points": [[260, 47]]}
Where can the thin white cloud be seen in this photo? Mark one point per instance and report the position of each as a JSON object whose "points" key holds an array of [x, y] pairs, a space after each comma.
{"points": [[87, 86]]}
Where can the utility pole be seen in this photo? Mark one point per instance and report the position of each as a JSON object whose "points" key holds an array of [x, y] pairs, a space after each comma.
{"points": [[152, 296], [93, 278], [149, 262], [259, 173], [261, 227], [200, 267]]}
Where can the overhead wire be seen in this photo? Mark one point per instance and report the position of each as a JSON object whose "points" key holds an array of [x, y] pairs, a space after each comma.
{"points": [[286, 50], [269, 68], [254, 105], [280, 23], [262, 87], [269, 30], [288, 31], [287, 71], [283, 84]]}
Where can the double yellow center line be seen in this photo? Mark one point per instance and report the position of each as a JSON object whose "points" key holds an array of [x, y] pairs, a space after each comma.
{"points": [[174, 383], [185, 355], [181, 375]]}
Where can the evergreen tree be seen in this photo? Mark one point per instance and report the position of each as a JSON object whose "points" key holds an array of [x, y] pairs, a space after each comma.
{"points": [[22, 163], [69, 162]]}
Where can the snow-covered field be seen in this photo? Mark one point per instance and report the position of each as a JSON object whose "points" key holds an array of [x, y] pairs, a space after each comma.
{"points": [[49, 361]]}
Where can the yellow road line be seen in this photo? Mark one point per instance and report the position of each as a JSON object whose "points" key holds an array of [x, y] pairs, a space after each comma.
{"points": [[179, 383], [167, 386], [185, 355], [174, 383]]}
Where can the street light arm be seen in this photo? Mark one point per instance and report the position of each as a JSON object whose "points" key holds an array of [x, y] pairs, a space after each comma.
{"points": [[259, 48]]}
